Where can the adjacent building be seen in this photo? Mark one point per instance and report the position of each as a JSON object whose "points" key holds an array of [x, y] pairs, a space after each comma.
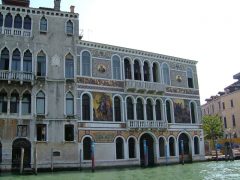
{"points": [[59, 94], [226, 105]]}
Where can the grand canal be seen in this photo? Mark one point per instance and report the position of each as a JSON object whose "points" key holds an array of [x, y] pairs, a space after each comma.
{"points": [[202, 171]]}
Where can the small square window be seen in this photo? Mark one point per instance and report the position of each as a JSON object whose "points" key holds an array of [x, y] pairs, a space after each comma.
{"points": [[22, 130]]}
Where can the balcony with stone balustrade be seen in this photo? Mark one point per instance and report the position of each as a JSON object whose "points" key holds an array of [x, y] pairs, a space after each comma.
{"points": [[16, 76], [146, 124], [15, 32], [145, 87]]}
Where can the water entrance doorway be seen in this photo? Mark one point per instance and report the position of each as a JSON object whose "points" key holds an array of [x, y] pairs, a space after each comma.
{"points": [[16, 153], [183, 138], [150, 146]]}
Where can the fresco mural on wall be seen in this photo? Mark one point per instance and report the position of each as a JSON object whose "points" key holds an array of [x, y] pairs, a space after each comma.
{"points": [[181, 111], [102, 107]]}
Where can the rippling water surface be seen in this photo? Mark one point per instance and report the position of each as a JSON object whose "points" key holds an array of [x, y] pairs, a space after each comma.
{"points": [[206, 171]]}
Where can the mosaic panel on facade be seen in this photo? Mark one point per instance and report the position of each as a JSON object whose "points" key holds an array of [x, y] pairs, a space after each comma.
{"points": [[181, 111], [101, 68]]}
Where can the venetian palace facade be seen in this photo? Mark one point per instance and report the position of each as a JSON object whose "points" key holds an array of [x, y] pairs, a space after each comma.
{"points": [[59, 93]]}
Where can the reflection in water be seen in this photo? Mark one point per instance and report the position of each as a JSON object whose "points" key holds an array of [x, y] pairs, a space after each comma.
{"points": [[196, 171]]}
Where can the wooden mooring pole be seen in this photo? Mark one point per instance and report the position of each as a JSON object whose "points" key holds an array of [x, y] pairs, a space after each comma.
{"points": [[52, 159], [35, 160], [21, 160]]}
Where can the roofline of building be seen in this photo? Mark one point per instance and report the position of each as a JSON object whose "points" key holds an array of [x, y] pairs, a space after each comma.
{"points": [[135, 52]]}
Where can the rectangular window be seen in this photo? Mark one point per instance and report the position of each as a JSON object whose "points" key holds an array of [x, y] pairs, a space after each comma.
{"points": [[225, 122], [233, 121], [3, 103], [219, 106], [69, 106], [41, 132], [22, 130], [223, 105], [69, 132], [231, 103]]}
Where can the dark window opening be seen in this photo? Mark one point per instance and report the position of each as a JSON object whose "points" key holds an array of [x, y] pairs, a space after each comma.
{"points": [[69, 132], [27, 23], [3, 102], [172, 146], [161, 147], [130, 113], [146, 72], [193, 116], [140, 112], [86, 107], [137, 71], [117, 109], [14, 102], [4, 62], [18, 21], [158, 109], [8, 21], [196, 145], [149, 110], [87, 148], [119, 148], [169, 111], [131, 148], [41, 132], [127, 68]]}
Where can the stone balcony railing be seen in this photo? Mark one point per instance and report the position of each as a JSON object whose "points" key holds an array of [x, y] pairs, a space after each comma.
{"points": [[140, 124], [16, 76], [15, 32], [145, 86]]}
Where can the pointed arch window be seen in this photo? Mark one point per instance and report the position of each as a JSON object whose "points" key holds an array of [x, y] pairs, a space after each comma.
{"points": [[26, 104], [140, 110], [117, 109], [69, 66], [116, 67], [190, 78], [86, 107], [27, 23], [16, 60], [41, 64], [18, 22], [43, 24], [1, 19], [40, 103], [69, 28], [193, 112], [130, 112], [14, 102], [86, 64], [27, 61], [4, 62], [161, 147], [158, 110], [131, 148], [8, 20], [3, 102], [127, 69], [149, 110], [146, 72], [169, 111], [69, 104], [155, 72], [137, 70], [166, 76], [119, 148]]}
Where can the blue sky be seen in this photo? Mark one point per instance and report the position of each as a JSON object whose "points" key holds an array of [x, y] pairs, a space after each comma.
{"points": [[202, 30]]}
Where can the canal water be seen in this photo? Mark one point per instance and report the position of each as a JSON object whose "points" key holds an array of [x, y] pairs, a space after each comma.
{"points": [[196, 171]]}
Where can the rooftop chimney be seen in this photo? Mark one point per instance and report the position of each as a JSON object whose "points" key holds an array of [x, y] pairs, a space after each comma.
{"points": [[57, 5], [72, 9]]}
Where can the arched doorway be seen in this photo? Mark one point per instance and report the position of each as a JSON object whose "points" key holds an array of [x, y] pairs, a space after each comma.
{"points": [[150, 146], [16, 153], [186, 148]]}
